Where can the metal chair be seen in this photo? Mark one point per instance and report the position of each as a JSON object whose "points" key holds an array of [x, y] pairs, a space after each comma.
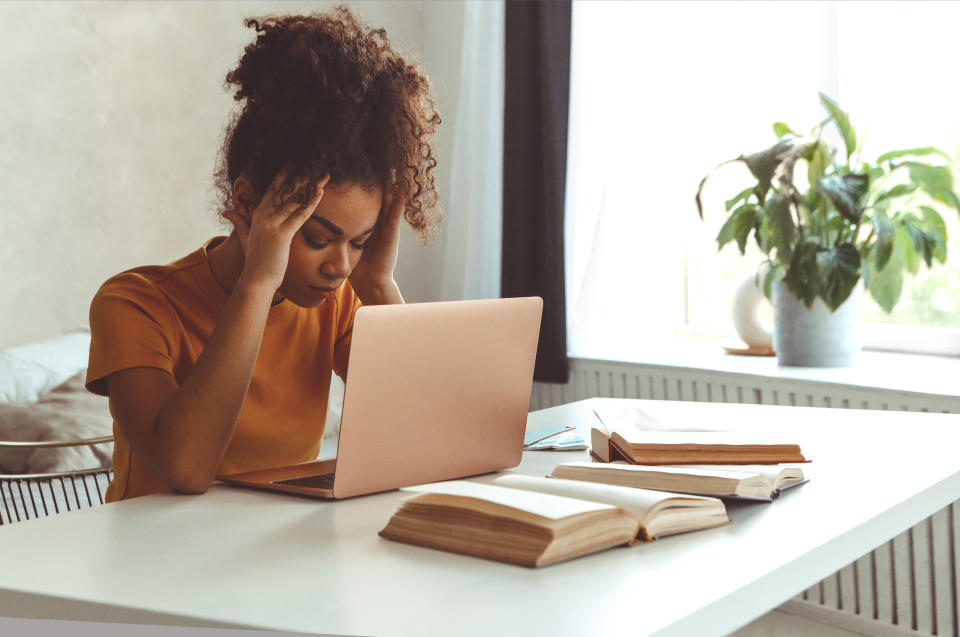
{"points": [[27, 496]]}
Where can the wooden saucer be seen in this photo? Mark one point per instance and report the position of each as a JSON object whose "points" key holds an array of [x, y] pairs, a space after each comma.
{"points": [[748, 350]]}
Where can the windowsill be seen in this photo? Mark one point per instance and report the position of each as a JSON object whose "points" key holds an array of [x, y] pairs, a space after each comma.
{"points": [[935, 375]]}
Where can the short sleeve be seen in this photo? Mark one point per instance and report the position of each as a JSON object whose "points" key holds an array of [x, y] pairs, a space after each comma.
{"points": [[130, 326], [347, 306]]}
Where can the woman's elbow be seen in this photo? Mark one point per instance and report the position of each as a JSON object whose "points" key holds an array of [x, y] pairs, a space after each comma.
{"points": [[189, 488], [187, 482]]}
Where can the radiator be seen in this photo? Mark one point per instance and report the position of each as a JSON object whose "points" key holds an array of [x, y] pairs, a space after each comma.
{"points": [[908, 585]]}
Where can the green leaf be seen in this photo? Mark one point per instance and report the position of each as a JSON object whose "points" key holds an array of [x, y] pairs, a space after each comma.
{"points": [[904, 245], [839, 271], [783, 230], [833, 226], [923, 242], [885, 232], [774, 273], [897, 191], [763, 235], [845, 193], [780, 129], [843, 124], [740, 196], [703, 182], [936, 181], [803, 275], [738, 226], [867, 268], [817, 162], [886, 285], [936, 227], [764, 164], [916, 152]]}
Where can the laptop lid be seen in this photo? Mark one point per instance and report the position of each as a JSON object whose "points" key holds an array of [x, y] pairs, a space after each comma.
{"points": [[435, 391]]}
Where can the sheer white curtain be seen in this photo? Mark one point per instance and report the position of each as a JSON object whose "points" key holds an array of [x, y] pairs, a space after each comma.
{"points": [[471, 264], [660, 94]]}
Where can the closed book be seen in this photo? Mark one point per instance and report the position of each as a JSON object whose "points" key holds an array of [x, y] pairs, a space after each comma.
{"points": [[636, 437], [749, 482]]}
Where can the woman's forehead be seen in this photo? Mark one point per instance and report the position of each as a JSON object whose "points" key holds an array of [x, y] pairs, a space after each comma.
{"points": [[351, 208]]}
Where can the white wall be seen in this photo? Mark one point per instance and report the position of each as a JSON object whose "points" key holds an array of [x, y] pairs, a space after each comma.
{"points": [[111, 116]]}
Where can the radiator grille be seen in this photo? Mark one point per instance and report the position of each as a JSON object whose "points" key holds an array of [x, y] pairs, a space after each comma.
{"points": [[910, 582]]}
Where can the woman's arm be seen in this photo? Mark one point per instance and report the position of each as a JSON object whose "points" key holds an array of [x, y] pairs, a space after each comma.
{"points": [[181, 432]]}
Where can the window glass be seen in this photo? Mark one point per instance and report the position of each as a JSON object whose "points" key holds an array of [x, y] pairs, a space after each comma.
{"points": [[661, 92]]}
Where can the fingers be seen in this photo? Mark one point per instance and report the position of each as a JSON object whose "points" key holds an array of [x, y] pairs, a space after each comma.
{"points": [[298, 216], [391, 210], [279, 180], [288, 205]]}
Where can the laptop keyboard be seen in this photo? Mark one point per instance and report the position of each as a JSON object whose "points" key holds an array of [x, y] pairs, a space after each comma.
{"points": [[320, 481]]}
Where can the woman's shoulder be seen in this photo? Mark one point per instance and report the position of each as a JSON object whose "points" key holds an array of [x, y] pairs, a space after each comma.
{"points": [[153, 283]]}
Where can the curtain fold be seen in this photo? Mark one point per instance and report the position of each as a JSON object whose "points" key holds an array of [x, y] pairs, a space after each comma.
{"points": [[536, 105], [471, 265]]}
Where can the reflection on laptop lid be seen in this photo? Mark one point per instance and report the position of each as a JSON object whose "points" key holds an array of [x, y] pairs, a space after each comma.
{"points": [[434, 391]]}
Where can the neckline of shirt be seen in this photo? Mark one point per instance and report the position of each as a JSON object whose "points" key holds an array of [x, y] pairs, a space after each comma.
{"points": [[212, 286]]}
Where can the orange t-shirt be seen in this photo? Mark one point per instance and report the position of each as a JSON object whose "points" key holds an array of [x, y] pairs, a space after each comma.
{"points": [[161, 316]]}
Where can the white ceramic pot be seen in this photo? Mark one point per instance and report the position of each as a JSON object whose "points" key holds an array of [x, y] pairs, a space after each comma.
{"points": [[816, 337]]}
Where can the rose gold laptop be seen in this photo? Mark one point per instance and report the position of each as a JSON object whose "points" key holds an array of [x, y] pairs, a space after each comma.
{"points": [[434, 391]]}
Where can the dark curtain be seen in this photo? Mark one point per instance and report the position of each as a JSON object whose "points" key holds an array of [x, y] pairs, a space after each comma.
{"points": [[536, 100]]}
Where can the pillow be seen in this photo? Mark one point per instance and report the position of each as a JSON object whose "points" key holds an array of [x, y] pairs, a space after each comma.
{"points": [[28, 371], [69, 412], [334, 407]]}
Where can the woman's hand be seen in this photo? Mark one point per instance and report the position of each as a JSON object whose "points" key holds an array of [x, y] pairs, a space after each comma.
{"points": [[266, 236], [372, 278]]}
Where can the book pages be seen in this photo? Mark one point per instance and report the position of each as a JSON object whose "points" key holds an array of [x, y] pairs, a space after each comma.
{"points": [[543, 504], [627, 419], [639, 502], [771, 472], [736, 472]]}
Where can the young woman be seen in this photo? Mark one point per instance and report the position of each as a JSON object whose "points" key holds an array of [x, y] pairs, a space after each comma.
{"points": [[220, 362]]}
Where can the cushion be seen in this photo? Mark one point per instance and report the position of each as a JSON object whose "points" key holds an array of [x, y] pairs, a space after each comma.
{"points": [[68, 412], [28, 371], [334, 407]]}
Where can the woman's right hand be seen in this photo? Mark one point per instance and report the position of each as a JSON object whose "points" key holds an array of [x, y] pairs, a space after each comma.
{"points": [[267, 234]]}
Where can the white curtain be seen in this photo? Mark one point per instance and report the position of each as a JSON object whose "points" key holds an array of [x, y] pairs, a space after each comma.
{"points": [[471, 264]]}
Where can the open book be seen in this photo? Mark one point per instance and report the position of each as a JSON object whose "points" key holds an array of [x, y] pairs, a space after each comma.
{"points": [[636, 437], [751, 482], [535, 521]]}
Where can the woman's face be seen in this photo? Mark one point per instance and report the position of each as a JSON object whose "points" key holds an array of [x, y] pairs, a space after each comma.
{"points": [[329, 245]]}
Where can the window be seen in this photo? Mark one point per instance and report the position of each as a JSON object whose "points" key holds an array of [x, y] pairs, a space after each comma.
{"points": [[661, 92]]}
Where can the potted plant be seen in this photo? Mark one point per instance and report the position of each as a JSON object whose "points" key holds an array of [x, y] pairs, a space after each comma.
{"points": [[851, 219]]}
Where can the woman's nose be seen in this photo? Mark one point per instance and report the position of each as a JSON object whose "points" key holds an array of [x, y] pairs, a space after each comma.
{"points": [[338, 265]]}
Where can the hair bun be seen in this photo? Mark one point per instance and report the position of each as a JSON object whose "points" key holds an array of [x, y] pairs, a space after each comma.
{"points": [[331, 96]]}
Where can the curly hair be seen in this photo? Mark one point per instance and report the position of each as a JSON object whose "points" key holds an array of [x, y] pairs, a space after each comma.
{"points": [[325, 94]]}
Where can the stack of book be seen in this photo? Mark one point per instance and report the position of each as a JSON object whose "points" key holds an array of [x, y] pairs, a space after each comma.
{"points": [[646, 484]]}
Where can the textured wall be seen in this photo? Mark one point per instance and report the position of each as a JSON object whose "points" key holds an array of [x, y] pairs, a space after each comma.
{"points": [[111, 115]]}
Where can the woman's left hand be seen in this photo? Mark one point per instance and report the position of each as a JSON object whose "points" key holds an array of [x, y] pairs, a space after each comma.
{"points": [[372, 278]]}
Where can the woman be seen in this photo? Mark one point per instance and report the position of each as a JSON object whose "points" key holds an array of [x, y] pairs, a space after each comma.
{"points": [[220, 362]]}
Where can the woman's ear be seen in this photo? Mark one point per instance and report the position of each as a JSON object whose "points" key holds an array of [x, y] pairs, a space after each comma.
{"points": [[244, 197]]}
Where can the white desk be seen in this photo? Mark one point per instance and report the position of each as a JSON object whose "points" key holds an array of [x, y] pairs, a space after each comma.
{"points": [[244, 558]]}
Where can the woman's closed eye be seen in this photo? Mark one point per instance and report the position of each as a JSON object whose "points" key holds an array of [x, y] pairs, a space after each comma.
{"points": [[321, 244], [313, 243]]}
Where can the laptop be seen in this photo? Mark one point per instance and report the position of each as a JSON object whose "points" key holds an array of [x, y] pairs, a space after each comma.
{"points": [[434, 391]]}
